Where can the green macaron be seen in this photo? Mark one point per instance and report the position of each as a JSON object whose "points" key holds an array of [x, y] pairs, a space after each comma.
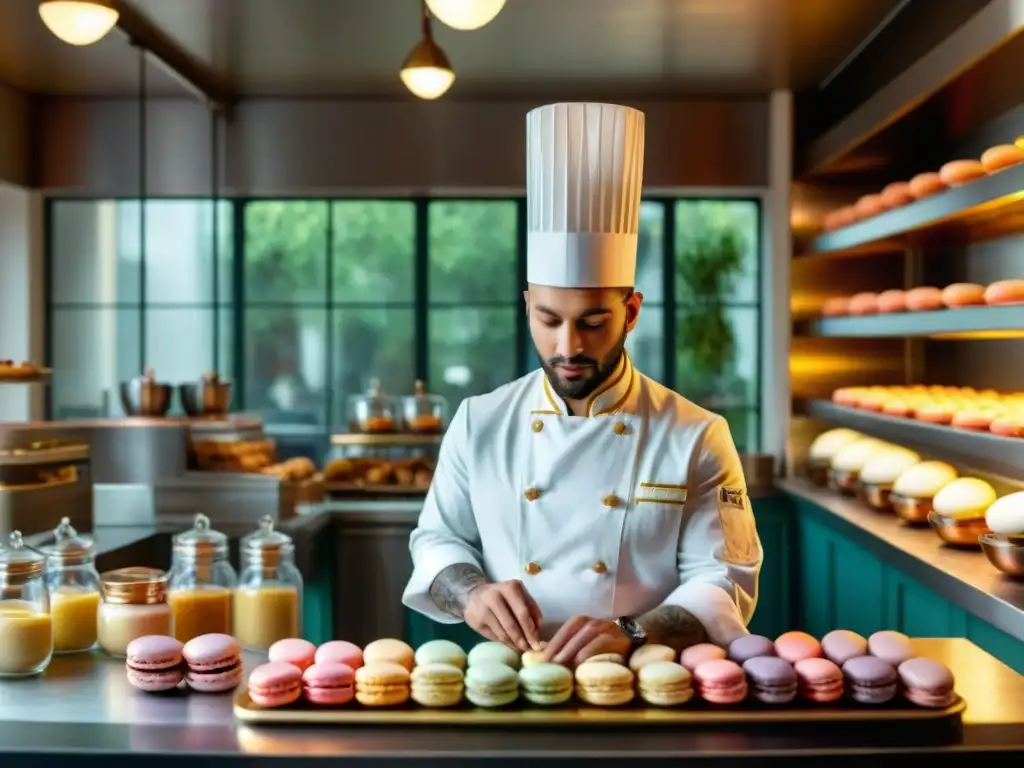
{"points": [[491, 651], [441, 652], [491, 684], [546, 684]]}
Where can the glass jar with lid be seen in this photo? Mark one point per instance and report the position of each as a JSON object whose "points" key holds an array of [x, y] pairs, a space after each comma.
{"points": [[423, 413], [26, 627], [268, 601], [134, 605], [200, 582], [74, 588], [372, 412]]}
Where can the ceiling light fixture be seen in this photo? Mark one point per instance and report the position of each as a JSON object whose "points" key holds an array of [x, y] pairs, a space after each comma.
{"points": [[426, 71], [465, 14], [79, 22]]}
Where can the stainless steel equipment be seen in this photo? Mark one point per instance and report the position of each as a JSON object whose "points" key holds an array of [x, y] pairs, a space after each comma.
{"points": [[145, 396], [1005, 554], [208, 397], [43, 482], [229, 497]]}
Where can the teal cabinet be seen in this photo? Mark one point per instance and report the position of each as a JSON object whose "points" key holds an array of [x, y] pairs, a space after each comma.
{"points": [[318, 594], [774, 613]]}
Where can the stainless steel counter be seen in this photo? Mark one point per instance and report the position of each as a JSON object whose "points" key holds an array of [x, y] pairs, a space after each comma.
{"points": [[964, 577], [83, 707]]}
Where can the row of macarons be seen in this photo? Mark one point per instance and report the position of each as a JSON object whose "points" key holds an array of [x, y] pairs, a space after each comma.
{"points": [[209, 663], [955, 173], [926, 299], [960, 407], [441, 674], [891, 476]]}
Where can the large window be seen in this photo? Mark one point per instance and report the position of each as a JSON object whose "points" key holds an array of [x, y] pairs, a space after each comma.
{"points": [[308, 301]]}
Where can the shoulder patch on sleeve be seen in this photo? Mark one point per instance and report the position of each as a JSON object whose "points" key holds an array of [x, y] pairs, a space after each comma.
{"points": [[739, 531]]}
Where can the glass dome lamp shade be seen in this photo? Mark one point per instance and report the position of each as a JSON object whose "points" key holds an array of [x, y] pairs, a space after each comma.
{"points": [[78, 22], [426, 71], [465, 14]]}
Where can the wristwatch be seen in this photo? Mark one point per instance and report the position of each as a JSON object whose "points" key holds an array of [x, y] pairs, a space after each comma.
{"points": [[632, 629]]}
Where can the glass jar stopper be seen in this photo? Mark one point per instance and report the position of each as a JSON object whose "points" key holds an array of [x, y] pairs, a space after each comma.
{"points": [[266, 539], [19, 560], [69, 547], [201, 540]]}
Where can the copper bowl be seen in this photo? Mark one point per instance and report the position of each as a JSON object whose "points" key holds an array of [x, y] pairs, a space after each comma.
{"points": [[1006, 554], [817, 471], [842, 481], [911, 510], [876, 495], [959, 533]]}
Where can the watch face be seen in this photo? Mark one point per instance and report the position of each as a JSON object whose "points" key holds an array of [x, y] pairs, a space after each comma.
{"points": [[632, 629]]}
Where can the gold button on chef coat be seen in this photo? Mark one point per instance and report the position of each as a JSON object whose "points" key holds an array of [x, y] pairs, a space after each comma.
{"points": [[620, 428], [532, 568], [537, 425], [600, 567], [610, 501], [532, 494]]}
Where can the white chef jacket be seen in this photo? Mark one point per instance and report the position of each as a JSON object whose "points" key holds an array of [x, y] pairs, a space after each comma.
{"points": [[641, 504]]}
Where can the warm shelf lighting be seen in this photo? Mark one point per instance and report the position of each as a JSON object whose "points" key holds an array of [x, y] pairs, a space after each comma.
{"points": [[78, 22], [465, 14], [426, 71]]}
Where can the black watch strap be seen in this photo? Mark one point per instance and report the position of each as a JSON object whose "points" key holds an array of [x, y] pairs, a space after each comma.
{"points": [[632, 629]]}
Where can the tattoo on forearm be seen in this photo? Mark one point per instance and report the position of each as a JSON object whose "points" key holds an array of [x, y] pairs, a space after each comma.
{"points": [[452, 586], [673, 626]]}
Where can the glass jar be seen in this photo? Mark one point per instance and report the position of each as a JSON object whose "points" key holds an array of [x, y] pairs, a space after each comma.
{"points": [[268, 601], [74, 588], [200, 582], [134, 605], [372, 412], [26, 627], [423, 413]]}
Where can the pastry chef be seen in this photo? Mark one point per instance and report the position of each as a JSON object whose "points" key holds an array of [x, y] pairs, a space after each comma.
{"points": [[584, 504]]}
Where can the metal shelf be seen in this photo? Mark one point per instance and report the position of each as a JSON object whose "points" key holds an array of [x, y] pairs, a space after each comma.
{"points": [[392, 439], [966, 321], [22, 457], [988, 208], [983, 451]]}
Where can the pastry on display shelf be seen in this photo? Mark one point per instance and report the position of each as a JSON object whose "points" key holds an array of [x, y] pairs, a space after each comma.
{"points": [[912, 493], [12, 370], [963, 295], [925, 299], [1001, 156], [294, 470], [844, 473], [362, 472], [892, 301], [878, 476], [956, 173], [1005, 292]]}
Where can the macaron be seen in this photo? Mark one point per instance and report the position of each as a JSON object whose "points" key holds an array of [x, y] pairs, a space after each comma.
{"points": [[795, 646], [154, 663], [665, 683], [382, 683], [750, 647], [328, 684], [695, 655], [841, 645], [894, 647], [604, 684], [819, 680], [647, 654], [720, 681], [530, 658], [441, 652], [870, 680], [494, 652], [491, 683], [436, 685], [214, 663], [293, 650], [614, 658], [771, 679], [927, 683], [546, 684], [340, 652], [389, 650], [275, 684]]}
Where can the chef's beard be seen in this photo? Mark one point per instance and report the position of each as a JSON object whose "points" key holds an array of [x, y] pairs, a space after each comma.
{"points": [[600, 372]]}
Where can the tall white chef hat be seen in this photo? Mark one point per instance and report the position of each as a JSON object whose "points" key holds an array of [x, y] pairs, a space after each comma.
{"points": [[584, 173]]}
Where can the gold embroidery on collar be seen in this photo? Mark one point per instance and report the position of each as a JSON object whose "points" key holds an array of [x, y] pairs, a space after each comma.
{"points": [[609, 385], [550, 396]]}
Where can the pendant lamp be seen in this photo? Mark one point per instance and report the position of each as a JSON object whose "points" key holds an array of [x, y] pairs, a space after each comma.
{"points": [[79, 22], [466, 14], [426, 71]]}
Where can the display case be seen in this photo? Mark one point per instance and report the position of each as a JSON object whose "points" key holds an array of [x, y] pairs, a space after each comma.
{"points": [[43, 481], [380, 465]]}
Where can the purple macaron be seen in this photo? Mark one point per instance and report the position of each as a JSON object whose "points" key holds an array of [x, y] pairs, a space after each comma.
{"points": [[772, 680], [214, 663], [154, 663], [870, 680], [894, 647], [841, 645], [750, 647], [927, 682]]}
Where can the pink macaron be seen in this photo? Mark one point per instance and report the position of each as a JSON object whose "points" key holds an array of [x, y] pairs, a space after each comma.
{"points": [[340, 652], [927, 683], [720, 681], [695, 655], [329, 684], [795, 646], [214, 663], [275, 684], [293, 650], [154, 663], [819, 680]]}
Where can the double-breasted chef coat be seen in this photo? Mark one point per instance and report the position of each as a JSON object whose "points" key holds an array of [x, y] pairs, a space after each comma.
{"points": [[640, 504]]}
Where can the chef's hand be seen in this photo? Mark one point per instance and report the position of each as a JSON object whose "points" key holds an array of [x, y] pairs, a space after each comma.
{"points": [[505, 612], [582, 637]]}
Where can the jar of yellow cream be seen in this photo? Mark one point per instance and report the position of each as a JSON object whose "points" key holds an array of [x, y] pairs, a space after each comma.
{"points": [[201, 582], [74, 587], [268, 601], [26, 629], [134, 604]]}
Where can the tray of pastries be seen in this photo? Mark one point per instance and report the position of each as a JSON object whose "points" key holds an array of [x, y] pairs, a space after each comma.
{"points": [[11, 370], [794, 679], [233, 455], [367, 475]]}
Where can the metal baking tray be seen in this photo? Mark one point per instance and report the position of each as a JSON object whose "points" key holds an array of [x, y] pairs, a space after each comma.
{"points": [[693, 713]]}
